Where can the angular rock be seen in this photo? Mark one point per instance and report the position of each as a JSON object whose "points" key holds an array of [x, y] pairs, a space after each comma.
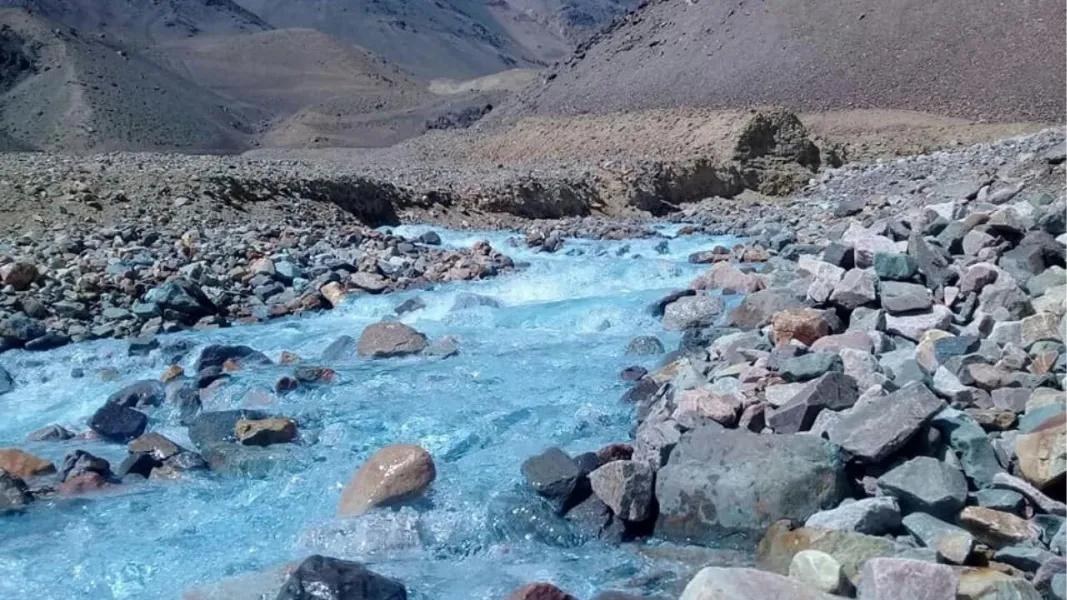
{"points": [[805, 325], [913, 325], [645, 345], [900, 297], [780, 544], [14, 494], [971, 445], [217, 356], [626, 487], [50, 433], [825, 277], [1042, 453], [217, 427], [324, 578], [809, 366], [874, 430], [697, 405], [264, 432], [721, 482], [995, 528], [140, 394], [757, 309], [1041, 327], [692, 311], [931, 261], [896, 578], [925, 484], [182, 296], [894, 267], [819, 571], [1027, 558], [731, 280], [390, 339], [931, 532], [833, 391], [871, 516]]}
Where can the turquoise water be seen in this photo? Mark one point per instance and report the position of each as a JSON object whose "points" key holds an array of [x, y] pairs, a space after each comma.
{"points": [[540, 370]]}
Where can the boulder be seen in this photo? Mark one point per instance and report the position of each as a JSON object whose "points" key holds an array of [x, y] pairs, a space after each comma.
{"points": [[393, 474], [805, 325], [825, 278], [971, 445], [155, 445], [264, 432], [14, 494], [897, 578], [645, 345], [780, 544], [218, 355], [900, 297], [730, 483], [818, 570], [872, 431], [626, 487], [925, 484], [833, 391], [467, 300], [555, 476], [872, 516], [913, 325], [218, 427], [931, 532], [50, 433], [692, 311], [695, 406], [118, 423], [18, 330], [757, 309], [731, 280], [324, 578], [1042, 453], [340, 349], [931, 261], [857, 288], [806, 367], [995, 528], [24, 465], [140, 394], [182, 296], [19, 275], [865, 245], [721, 583], [1041, 327], [389, 339], [894, 267], [539, 591]]}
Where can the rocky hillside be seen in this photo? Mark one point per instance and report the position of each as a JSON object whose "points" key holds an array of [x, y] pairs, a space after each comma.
{"points": [[61, 90], [978, 60]]}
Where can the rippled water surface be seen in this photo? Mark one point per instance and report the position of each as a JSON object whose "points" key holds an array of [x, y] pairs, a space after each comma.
{"points": [[540, 370]]}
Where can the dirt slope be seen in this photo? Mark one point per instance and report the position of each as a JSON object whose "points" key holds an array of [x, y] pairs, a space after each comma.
{"points": [[65, 92], [143, 22], [984, 59]]}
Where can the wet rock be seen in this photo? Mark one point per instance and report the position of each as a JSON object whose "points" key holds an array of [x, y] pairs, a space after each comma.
{"points": [[520, 516], [142, 345], [715, 583], [50, 433], [390, 339], [657, 308], [995, 528], [872, 516], [818, 570], [219, 355], [23, 464], [118, 423], [721, 482], [925, 484], [645, 345], [899, 297], [555, 476], [140, 394], [218, 427], [393, 474], [626, 487], [872, 431], [80, 462], [1042, 453], [7, 382], [409, 305], [692, 311], [155, 445], [340, 349], [325, 578], [805, 325], [14, 494], [466, 300], [894, 578], [539, 591], [264, 432], [832, 391]]}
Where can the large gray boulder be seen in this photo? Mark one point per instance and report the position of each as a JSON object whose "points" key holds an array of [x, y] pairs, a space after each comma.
{"points": [[900, 297], [872, 431], [389, 339], [692, 311], [872, 516], [731, 485], [756, 310]]}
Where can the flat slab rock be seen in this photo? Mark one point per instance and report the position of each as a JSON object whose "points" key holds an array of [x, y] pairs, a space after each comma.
{"points": [[872, 431], [718, 583], [898, 578]]}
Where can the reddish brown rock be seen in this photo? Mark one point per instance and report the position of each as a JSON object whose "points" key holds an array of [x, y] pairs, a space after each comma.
{"points": [[393, 474], [23, 464], [87, 482], [171, 373], [264, 432], [18, 275], [806, 325], [996, 528], [388, 339], [539, 591]]}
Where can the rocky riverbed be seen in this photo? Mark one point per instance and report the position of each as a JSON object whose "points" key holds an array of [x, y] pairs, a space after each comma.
{"points": [[855, 392]]}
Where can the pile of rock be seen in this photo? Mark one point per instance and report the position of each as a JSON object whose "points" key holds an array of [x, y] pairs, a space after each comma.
{"points": [[135, 281], [884, 410]]}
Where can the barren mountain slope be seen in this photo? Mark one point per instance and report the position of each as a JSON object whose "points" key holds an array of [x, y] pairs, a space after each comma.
{"points": [[68, 92], [146, 22], [967, 58], [285, 70]]}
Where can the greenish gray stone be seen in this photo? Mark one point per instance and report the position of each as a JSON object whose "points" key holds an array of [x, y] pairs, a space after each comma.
{"points": [[894, 267], [925, 484]]}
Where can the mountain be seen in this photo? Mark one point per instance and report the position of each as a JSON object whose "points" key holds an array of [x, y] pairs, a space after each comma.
{"points": [[976, 59], [145, 22], [64, 91]]}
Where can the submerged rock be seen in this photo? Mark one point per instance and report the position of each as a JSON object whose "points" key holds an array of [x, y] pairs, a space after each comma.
{"points": [[393, 474], [118, 423], [14, 495], [556, 476]]}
